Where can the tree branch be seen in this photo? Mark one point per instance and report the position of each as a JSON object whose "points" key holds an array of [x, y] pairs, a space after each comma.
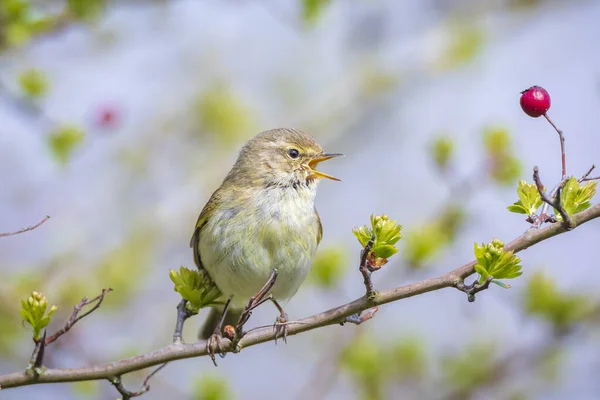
{"points": [[177, 351], [29, 228]]}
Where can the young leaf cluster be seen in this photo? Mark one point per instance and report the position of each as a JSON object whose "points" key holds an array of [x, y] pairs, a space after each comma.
{"points": [[33, 311], [386, 233], [196, 287], [493, 261], [529, 199], [576, 197]]}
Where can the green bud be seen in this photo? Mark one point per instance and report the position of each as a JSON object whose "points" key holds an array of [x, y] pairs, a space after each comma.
{"points": [[493, 261], [33, 311]]}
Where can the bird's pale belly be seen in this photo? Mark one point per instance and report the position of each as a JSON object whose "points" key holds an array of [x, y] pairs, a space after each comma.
{"points": [[240, 255]]}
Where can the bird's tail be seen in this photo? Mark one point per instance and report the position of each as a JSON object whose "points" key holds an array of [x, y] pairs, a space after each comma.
{"points": [[209, 326]]}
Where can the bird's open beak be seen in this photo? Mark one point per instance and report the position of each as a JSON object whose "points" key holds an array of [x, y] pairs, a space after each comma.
{"points": [[312, 164]]}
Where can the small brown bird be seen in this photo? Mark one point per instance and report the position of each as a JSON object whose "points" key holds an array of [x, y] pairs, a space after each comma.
{"points": [[262, 219]]}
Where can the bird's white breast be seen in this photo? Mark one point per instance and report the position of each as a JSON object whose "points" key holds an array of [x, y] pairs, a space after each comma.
{"points": [[240, 246]]}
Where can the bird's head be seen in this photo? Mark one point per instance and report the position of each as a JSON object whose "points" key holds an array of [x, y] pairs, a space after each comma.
{"points": [[281, 157]]}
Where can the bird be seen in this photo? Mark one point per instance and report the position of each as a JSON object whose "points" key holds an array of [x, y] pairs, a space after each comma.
{"points": [[257, 235]]}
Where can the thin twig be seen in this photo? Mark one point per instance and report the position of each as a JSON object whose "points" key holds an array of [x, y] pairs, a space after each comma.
{"points": [[585, 176], [330, 317], [555, 202], [595, 178], [364, 270], [118, 384], [562, 146], [75, 317], [473, 288], [29, 228]]}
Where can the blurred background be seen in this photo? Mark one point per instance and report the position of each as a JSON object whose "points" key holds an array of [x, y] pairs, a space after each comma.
{"points": [[119, 118]]}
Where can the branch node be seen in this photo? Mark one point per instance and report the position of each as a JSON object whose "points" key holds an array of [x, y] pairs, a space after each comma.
{"points": [[473, 288], [117, 382], [361, 317], [567, 221]]}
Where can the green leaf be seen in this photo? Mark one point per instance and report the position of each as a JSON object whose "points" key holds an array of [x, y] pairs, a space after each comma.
{"points": [[529, 199], [576, 197], [196, 287], [34, 83], [517, 208], [501, 284], [385, 250], [64, 141]]}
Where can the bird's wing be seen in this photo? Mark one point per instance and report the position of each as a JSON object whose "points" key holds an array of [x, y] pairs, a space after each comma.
{"points": [[207, 211]]}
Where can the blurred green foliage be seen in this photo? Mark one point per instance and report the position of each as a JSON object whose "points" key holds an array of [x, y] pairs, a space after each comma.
{"points": [[64, 141], [374, 81], [86, 388], [529, 199], [196, 287], [409, 358], [494, 261], [85, 9], [424, 243], [33, 83], [222, 114], [22, 20], [373, 364], [576, 197], [470, 368], [329, 267], [562, 309], [505, 168], [465, 41], [33, 311], [212, 387], [442, 150], [312, 9]]}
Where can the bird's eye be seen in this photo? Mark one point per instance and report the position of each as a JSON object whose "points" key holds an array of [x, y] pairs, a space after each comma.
{"points": [[293, 153]]}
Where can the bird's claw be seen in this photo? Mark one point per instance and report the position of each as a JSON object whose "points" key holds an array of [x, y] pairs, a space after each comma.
{"points": [[213, 347], [280, 327]]}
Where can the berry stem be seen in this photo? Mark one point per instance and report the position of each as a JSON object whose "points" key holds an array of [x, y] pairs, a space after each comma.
{"points": [[562, 146]]}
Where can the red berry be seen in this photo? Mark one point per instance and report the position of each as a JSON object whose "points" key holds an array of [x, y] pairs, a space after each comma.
{"points": [[535, 101]]}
